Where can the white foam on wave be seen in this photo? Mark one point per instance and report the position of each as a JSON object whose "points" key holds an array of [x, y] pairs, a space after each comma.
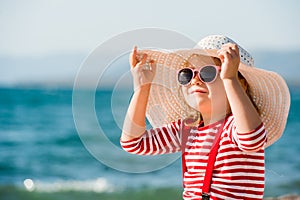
{"points": [[96, 185]]}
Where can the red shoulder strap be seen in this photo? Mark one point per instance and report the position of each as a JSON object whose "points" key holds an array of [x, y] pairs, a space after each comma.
{"points": [[185, 130], [210, 164]]}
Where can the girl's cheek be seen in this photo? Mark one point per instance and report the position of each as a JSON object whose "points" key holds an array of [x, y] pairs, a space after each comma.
{"points": [[185, 94], [184, 90]]}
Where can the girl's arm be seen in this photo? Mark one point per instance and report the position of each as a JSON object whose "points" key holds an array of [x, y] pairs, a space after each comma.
{"points": [[156, 141], [245, 114], [135, 139], [134, 124]]}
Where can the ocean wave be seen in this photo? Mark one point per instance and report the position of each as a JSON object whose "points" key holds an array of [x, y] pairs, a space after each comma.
{"points": [[98, 185]]}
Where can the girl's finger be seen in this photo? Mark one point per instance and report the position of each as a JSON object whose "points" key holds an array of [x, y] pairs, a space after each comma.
{"points": [[221, 56], [223, 53], [143, 61], [234, 46], [237, 51], [133, 57], [228, 52], [231, 48], [231, 52], [152, 65]]}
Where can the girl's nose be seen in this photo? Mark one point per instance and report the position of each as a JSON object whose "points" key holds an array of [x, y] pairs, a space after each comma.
{"points": [[196, 80]]}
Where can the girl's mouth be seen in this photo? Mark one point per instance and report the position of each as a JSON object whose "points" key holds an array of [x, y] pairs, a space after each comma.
{"points": [[198, 91]]}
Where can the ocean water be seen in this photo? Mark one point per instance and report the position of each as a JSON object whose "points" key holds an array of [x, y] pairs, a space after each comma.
{"points": [[53, 149]]}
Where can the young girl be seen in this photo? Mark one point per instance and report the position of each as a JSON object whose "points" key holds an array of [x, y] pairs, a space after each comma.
{"points": [[218, 94]]}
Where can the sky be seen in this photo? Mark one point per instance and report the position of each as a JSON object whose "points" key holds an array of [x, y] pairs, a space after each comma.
{"points": [[36, 31]]}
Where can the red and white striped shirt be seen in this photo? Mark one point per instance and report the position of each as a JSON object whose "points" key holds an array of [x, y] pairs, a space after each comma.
{"points": [[239, 167]]}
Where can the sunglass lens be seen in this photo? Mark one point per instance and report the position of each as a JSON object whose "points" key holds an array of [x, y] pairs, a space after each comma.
{"points": [[208, 74], [185, 76]]}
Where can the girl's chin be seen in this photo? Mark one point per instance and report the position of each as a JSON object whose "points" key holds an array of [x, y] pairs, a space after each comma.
{"points": [[200, 101], [201, 106]]}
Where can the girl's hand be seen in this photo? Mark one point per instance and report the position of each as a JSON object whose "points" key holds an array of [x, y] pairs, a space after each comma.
{"points": [[230, 58], [143, 73]]}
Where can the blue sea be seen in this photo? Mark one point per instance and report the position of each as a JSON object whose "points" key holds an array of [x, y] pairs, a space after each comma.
{"points": [[55, 144]]}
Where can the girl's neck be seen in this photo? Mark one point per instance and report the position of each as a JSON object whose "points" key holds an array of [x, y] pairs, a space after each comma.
{"points": [[208, 119]]}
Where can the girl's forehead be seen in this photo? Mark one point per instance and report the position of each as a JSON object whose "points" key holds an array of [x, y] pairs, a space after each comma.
{"points": [[202, 59]]}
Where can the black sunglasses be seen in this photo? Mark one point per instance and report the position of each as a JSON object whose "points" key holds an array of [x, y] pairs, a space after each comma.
{"points": [[207, 74]]}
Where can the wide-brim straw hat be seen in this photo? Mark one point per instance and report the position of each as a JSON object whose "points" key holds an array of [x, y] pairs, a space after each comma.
{"points": [[166, 103]]}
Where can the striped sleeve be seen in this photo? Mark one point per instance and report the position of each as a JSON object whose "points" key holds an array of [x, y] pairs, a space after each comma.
{"points": [[251, 141], [156, 141]]}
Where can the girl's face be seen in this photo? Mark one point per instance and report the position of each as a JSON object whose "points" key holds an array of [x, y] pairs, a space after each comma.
{"points": [[205, 97]]}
